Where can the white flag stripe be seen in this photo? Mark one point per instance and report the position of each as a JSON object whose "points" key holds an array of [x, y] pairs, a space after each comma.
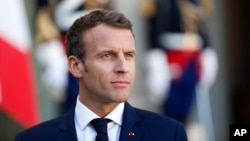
{"points": [[14, 24]]}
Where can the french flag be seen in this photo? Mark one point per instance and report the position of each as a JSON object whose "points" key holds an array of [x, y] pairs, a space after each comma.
{"points": [[18, 93]]}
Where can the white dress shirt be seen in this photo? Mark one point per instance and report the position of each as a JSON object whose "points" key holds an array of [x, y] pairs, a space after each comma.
{"points": [[85, 132]]}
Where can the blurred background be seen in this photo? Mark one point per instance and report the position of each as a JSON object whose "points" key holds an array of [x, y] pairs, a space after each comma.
{"points": [[192, 61]]}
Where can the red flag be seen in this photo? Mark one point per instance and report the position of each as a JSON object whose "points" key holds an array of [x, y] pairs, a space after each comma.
{"points": [[18, 95]]}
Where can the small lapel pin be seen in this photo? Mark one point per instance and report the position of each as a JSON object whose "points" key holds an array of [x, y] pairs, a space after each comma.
{"points": [[131, 134]]}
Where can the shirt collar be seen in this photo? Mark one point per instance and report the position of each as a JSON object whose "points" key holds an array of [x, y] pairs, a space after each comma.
{"points": [[84, 115], [116, 114]]}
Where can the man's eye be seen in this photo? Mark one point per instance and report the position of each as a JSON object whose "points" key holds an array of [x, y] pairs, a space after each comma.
{"points": [[107, 55], [130, 55]]}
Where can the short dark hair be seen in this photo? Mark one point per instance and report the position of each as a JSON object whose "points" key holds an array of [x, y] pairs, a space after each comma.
{"points": [[74, 44]]}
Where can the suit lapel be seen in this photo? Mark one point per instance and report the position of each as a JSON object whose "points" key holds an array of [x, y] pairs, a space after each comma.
{"points": [[129, 130], [67, 128]]}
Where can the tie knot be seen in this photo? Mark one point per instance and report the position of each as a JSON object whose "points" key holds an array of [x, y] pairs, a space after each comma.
{"points": [[100, 125]]}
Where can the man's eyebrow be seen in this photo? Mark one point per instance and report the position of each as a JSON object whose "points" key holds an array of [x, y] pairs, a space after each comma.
{"points": [[114, 51], [106, 51], [131, 51]]}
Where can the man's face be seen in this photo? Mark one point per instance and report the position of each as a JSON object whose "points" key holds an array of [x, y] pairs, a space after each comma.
{"points": [[109, 66]]}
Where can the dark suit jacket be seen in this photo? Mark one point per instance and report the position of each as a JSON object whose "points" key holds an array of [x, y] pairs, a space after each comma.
{"points": [[145, 125]]}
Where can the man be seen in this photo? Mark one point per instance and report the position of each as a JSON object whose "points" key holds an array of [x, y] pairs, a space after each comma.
{"points": [[101, 55]]}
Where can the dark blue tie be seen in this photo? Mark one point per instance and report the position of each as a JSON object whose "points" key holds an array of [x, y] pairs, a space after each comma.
{"points": [[100, 125]]}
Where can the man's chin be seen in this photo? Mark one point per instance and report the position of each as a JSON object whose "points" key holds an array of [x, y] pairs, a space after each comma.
{"points": [[120, 100]]}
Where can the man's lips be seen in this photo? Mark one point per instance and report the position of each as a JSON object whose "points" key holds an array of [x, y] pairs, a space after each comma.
{"points": [[120, 83]]}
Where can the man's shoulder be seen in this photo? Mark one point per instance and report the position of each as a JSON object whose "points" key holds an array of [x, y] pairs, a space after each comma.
{"points": [[156, 119], [42, 130], [159, 127], [54, 123]]}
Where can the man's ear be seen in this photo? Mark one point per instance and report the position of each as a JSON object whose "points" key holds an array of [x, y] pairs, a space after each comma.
{"points": [[75, 66]]}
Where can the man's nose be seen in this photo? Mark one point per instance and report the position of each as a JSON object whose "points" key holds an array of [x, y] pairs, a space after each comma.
{"points": [[122, 65]]}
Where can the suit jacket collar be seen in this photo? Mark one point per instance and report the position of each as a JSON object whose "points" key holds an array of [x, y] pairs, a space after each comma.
{"points": [[67, 127], [129, 130]]}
